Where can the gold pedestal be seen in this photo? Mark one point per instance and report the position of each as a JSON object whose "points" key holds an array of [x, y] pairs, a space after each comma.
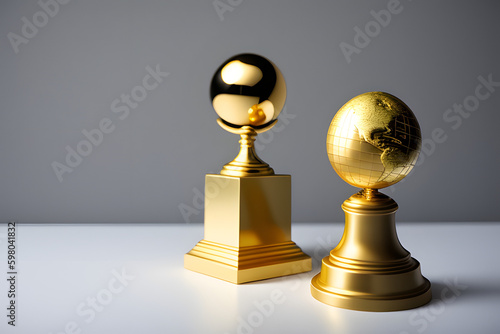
{"points": [[369, 270], [247, 230]]}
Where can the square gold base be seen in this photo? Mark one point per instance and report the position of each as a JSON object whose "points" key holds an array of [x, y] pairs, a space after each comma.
{"points": [[247, 230]]}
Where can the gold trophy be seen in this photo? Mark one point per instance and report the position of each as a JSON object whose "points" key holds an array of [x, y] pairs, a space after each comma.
{"points": [[248, 215], [372, 143]]}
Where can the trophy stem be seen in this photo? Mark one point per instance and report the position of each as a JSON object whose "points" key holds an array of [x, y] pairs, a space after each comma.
{"points": [[247, 163], [369, 193], [369, 270]]}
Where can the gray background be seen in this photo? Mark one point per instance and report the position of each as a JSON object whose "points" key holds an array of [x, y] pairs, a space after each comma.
{"points": [[65, 78]]}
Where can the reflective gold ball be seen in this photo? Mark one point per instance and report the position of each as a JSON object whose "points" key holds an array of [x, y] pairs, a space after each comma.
{"points": [[248, 89], [373, 140]]}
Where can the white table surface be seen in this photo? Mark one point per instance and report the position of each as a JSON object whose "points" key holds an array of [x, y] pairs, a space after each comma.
{"points": [[62, 269]]}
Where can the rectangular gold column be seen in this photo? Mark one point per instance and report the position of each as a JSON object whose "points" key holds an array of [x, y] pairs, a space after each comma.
{"points": [[247, 230]]}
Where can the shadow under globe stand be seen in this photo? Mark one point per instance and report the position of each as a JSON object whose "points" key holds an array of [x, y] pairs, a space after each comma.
{"points": [[373, 142], [248, 224]]}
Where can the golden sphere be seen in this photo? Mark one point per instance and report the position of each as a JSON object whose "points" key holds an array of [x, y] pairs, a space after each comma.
{"points": [[373, 140], [248, 89]]}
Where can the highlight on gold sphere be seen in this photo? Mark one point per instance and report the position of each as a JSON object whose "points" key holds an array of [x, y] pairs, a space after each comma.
{"points": [[248, 90], [373, 140]]}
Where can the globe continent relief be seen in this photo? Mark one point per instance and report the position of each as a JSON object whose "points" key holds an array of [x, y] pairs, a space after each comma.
{"points": [[373, 141]]}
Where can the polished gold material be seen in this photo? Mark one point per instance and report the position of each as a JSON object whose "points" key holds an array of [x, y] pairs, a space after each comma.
{"points": [[256, 115], [248, 92], [246, 163], [247, 230], [247, 207], [373, 142], [248, 89]]}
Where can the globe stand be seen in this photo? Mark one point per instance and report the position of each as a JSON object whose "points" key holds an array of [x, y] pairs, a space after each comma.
{"points": [[247, 220], [369, 270]]}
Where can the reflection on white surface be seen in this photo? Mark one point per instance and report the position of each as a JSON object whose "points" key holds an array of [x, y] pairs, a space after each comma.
{"points": [[218, 302], [64, 267]]}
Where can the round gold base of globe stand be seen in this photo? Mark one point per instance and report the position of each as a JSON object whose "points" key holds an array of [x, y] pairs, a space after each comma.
{"points": [[369, 270]]}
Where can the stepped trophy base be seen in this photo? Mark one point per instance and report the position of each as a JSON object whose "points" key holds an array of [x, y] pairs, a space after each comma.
{"points": [[247, 230], [369, 270]]}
